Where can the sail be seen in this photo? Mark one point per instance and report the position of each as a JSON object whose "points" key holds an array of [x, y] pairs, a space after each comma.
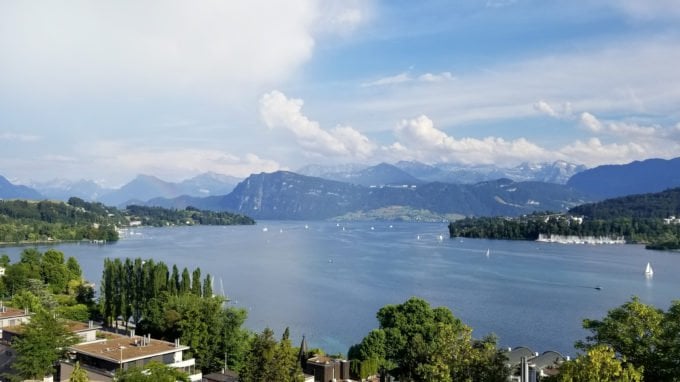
{"points": [[648, 270]]}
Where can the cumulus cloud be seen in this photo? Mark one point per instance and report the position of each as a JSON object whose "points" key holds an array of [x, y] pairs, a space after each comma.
{"points": [[421, 140], [277, 110], [593, 152]]}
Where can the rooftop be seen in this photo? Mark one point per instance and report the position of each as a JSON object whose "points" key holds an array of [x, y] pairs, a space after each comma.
{"points": [[7, 312], [121, 349], [323, 360]]}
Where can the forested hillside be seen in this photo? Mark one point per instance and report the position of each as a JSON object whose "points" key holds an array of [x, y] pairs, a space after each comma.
{"points": [[157, 216], [637, 218], [31, 221]]}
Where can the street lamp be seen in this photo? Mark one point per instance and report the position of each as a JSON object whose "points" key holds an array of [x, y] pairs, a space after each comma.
{"points": [[121, 357]]}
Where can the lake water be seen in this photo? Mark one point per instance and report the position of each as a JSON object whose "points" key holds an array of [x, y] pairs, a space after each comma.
{"points": [[327, 281]]}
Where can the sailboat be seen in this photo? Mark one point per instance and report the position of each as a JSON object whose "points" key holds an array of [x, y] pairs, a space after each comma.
{"points": [[488, 252], [649, 272]]}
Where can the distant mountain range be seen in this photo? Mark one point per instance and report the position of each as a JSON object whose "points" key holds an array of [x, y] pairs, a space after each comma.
{"points": [[381, 191], [139, 190], [11, 191], [413, 172], [287, 195], [639, 177]]}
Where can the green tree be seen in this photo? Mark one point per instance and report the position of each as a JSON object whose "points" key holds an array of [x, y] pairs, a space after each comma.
{"points": [[418, 343], [185, 285], [74, 268], [44, 340], [79, 374], [207, 286], [633, 330], [598, 364], [196, 282], [268, 361]]}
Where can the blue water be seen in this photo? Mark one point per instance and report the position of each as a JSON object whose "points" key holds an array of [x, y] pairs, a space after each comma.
{"points": [[327, 283]]}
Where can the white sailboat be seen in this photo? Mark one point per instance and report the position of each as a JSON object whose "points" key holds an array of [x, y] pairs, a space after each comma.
{"points": [[488, 252], [649, 272]]}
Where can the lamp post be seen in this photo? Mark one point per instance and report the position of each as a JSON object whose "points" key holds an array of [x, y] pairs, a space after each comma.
{"points": [[121, 357]]}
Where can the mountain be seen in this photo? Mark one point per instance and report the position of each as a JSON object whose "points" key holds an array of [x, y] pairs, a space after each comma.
{"points": [[11, 191], [330, 171], [287, 195], [146, 187], [143, 187], [62, 189], [659, 205], [208, 184], [556, 172], [414, 172], [639, 177]]}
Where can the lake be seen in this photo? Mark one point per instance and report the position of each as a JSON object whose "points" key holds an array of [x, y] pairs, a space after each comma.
{"points": [[327, 280]]}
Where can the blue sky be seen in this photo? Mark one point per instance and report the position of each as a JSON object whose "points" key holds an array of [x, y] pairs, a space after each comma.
{"points": [[107, 90]]}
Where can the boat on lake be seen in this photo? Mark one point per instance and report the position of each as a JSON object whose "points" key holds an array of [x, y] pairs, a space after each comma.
{"points": [[649, 272]]}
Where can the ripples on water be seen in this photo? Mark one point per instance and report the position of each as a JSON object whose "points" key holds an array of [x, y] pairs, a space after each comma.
{"points": [[327, 280]]}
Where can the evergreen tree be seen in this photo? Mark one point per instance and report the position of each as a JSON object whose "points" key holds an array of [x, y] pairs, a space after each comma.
{"points": [[185, 286], [207, 286], [196, 282]]}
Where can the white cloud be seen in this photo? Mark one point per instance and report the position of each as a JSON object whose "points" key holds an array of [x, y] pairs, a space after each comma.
{"points": [[277, 110], [420, 140], [648, 10], [593, 152], [591, 122], [122, 158], [429, 77], [343, 16], [545, 108], [406, 77], [391, 80], [608, 81], [19, 137], [168, 47]]}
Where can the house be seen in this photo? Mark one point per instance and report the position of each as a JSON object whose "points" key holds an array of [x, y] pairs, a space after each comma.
{"points": [[224, 376], [12, 317], [327, 369], [527, 366], [101, 359], [87, 331]]}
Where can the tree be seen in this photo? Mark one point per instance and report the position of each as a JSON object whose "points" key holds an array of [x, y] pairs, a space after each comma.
{"points": [[598, 364], [418, 343], [207, 286], [152, 372], [268, 361], [633, 330], [79, 374], [196, 282], [185, 285], [44, 340]]}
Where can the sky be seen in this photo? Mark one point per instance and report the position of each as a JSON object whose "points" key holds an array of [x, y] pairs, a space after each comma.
{"points": [[110, 89]]}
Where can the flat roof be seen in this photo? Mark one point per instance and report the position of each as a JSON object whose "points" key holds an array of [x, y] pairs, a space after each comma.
{"points": [[77, 326], [7, 312], [73, 326], [121, 349]]}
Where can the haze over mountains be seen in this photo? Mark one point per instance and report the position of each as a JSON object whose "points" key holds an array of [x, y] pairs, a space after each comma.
{"points": [[415, 189]]}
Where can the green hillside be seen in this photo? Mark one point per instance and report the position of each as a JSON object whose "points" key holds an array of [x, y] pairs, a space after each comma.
{"points": [[637, 218]]}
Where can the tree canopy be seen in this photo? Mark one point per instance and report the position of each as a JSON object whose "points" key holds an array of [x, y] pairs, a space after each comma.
{"points": [[418, 343]]}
